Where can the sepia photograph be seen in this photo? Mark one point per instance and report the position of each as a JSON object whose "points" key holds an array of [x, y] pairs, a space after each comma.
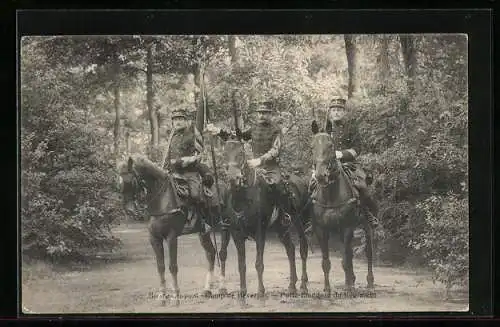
{"points": [[244, 173]]}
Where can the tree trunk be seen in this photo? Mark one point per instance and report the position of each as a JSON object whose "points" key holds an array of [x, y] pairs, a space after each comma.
{"points": [[351, 50], [200, 112], [127, 140], [235, 66], [153, 116], [117, 106], [383, 62], [408, 50]]}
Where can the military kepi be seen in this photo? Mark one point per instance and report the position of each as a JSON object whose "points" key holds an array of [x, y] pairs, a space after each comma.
{"points": [[337, 102], [265, 106]]}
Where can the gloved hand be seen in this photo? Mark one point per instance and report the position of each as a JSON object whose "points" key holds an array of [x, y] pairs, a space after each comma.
{"points": [[208, 180]]}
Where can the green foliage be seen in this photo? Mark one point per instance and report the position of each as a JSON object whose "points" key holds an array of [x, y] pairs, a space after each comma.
{"points": [[417, 150], [67, 200], [445, 239]]}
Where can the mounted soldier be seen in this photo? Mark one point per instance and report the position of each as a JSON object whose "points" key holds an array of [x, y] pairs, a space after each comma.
{"points": [[266, 145], [191, 178], [348, 159]]}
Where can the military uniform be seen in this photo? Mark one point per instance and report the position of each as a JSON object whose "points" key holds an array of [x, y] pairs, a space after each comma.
{"points": [[266, 145], [183, 160], [347, 156]]}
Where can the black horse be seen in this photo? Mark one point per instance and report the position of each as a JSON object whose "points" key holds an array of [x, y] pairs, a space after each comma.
{"points": [[250, 206], [336, 207], [165, 223]]}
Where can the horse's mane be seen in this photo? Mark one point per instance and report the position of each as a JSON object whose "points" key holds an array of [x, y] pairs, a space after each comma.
{"points": [[142, 163]]}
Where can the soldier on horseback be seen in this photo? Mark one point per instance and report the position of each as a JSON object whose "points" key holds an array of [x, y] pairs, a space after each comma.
{"points": [[347, 157], [183, 159], [266, 146]]}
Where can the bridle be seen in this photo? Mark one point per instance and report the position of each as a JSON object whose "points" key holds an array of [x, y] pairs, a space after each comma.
{"points": [[332, 167], [139, 186]]}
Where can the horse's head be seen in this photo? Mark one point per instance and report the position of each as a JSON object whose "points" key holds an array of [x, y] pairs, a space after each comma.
{"points": [[131, 184], [323, 150], [235, 159]]}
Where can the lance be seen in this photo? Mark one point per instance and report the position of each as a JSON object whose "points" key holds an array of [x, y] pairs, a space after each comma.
{"points": [[214, 165]]}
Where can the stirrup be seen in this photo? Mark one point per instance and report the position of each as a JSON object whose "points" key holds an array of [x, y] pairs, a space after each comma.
{"points": [[286, 219]]}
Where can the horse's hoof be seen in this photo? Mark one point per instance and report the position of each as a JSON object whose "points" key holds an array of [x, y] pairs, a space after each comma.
{"points": [[242, 294], [261, 294], [223, 291], [350, 290], [292, 290], [303, 289], [327, 291], [370, 286]]}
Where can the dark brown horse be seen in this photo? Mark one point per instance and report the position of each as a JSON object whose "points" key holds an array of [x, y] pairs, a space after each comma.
{"points": [[165, 223], [336, 207], [250, 206]]}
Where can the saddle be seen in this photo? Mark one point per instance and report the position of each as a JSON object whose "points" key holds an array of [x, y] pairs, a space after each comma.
{"points": [[190, 194], [188, 186]]}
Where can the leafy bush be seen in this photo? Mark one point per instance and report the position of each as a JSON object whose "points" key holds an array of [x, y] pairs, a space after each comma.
{"points": [[445, 239], [67, 199]]}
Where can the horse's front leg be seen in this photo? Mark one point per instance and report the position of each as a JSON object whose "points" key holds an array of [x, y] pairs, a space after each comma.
{"points": [[350, 278], [172, 251], [156, 241], [322, 234], [206, 243], [225, 236], [286, 240], [239, 242], [369, 255], [304, 248], [260, 241]]}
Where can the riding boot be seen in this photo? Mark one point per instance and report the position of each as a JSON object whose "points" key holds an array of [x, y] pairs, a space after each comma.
{"points": [[307, 208], [285, 204]]}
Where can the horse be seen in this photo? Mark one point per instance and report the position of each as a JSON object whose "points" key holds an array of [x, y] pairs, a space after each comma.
{"points": [[251, 208], [336, 207], [166, 223]]}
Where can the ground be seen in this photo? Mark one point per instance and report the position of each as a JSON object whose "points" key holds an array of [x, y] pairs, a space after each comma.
{"points": [[124, 283]]}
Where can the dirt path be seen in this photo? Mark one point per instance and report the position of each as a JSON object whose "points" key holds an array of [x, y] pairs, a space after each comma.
{"points": [[124, 284]]}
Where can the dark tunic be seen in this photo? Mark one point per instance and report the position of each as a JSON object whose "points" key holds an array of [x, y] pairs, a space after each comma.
{"points": [[343, 139], [266, 145], [188, 143]]}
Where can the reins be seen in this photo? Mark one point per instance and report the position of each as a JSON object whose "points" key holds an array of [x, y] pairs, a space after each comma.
{"points": [[340, 171], [142, 184]]}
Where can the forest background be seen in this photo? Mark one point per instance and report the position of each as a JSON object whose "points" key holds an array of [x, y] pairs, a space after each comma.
{"points": [[89, 102]]}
